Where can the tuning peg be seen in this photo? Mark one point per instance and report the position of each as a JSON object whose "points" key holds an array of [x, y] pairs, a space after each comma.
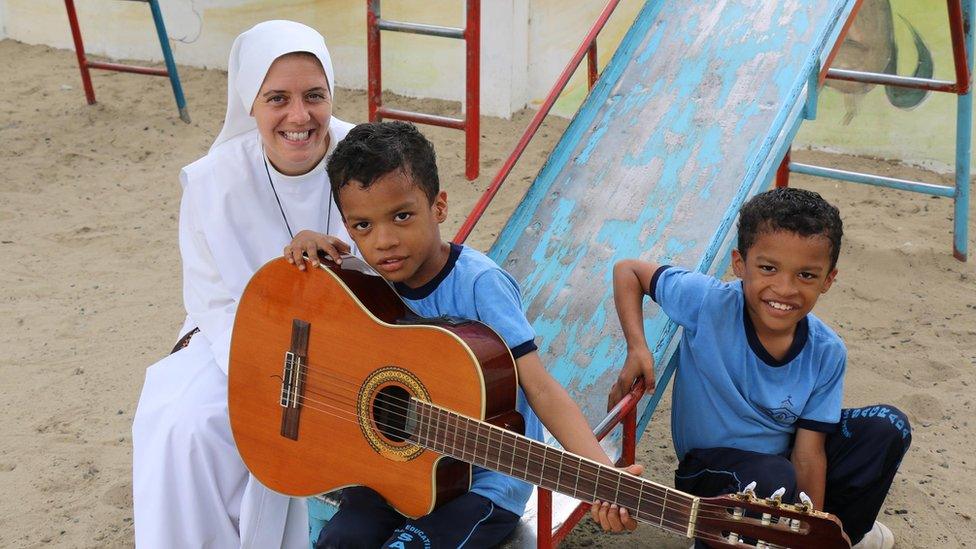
{"points": [[750, 490], [776, 497], [806, 504]]}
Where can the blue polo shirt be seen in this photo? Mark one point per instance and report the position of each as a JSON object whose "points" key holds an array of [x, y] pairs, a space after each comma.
{"points": [[728, 391], [473, 287]]}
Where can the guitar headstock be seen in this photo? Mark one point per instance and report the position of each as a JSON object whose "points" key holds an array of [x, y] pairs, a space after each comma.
{"points": [[724, 521]]}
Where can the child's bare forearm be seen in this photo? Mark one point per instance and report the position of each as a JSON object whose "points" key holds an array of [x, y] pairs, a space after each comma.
{"points": [[557, 411], [631, 277], [810, 463], [562, 416]]}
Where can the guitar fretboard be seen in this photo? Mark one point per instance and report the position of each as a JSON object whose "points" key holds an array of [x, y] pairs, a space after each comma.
{"points": [[497, 449]]}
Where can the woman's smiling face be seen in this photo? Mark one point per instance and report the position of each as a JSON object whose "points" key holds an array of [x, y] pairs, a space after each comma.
{"points": [[292, 111]]}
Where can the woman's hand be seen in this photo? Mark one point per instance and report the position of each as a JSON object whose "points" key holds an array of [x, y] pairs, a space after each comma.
{"points": [[610, 516], [310, 243], [639, 362]]}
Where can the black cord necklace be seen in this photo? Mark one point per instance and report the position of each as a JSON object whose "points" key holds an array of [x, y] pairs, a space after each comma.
{"points": [[328, 218], [278, 200]]}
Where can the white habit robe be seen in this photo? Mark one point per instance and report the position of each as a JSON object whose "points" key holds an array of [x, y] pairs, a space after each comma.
{"points": [[190, 487]]}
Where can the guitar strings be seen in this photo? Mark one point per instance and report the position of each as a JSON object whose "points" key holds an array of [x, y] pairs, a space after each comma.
{"points": [[722, 515], [509, 448], [677, 527], [483, 439], [674, 526], [627, 482]]}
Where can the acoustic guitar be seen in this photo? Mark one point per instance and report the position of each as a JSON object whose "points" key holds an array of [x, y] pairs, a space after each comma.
{"points": [[334, 382]]}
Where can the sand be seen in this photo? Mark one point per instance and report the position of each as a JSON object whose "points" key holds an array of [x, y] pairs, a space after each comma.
{"points": [[91, 296]]}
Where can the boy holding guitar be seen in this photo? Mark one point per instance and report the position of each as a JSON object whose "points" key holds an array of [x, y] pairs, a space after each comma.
{"points": [[757, 393], [385, 182]]}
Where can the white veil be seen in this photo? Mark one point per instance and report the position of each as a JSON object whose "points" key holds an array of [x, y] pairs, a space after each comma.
{"points": [[251, 56]]}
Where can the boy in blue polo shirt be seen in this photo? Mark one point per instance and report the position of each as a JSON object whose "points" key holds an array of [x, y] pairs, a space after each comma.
{"points": [[759, 384], [384, 179]]}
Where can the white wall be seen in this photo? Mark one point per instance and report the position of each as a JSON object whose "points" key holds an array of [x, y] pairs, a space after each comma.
{"points": [[3, 19], [525, 43]]}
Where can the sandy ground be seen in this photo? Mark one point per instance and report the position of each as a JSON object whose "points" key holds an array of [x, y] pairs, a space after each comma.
{"points": [[91, 296]]}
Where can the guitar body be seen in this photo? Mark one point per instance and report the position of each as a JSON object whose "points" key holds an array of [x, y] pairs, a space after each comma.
{"points": [[321, 364]]}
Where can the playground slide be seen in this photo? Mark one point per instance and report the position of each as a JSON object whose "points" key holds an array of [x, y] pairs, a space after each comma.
{"points": [[690, 118]]}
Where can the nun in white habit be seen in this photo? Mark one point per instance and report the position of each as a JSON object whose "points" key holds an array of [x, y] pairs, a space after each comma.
{"points": [[262, 182]]}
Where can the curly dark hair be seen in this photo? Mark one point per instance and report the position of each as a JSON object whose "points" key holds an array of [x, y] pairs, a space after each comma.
{"points": [[803, 212], [372, 150]]}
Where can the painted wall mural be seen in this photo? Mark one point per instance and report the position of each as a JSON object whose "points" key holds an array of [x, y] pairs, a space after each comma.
{"points": [[870, 46], [903, 37]]}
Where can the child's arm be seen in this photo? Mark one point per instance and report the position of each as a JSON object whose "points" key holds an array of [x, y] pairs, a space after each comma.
{"points": [[810, 461], [631, 278], [560, 414], [311, 242]]}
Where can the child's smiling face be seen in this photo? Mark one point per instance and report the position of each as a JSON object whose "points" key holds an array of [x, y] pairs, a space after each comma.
{"points": [[783, 274], [396, 227]]}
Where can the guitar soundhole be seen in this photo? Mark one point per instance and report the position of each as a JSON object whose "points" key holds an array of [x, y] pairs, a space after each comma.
{"points": [[390, 412]]}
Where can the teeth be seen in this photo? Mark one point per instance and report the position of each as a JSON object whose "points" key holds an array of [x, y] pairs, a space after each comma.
{"points": [[780, 306], [297, 136]]}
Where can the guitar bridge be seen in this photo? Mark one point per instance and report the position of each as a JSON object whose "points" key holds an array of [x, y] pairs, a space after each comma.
{"points": [[287, 380], [293, 376]]}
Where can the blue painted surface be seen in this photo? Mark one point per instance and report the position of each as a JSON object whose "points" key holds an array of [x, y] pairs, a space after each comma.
{"points": [[964, 132], [688, 120], [174, 77], [880, 181]]}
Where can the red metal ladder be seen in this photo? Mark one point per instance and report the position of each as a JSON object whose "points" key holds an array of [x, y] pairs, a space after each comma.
{"points": [[471, 34], [170, 71]]}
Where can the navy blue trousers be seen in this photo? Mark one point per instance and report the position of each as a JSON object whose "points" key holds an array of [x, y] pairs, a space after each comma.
{"points": [[862, 459], [366, 521]]}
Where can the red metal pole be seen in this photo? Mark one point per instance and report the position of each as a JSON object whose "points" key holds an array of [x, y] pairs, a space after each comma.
{"points": [[80, 51], [496, 183], [958, 33], [783, 172], [472, 105], [421, 118], [571, 521], [127, 68], [629, 453], [839, 42], [374, 86], [591, 71], [543, 533]]}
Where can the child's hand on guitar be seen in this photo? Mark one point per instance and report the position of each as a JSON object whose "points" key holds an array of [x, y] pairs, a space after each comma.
{"points": [[610, 516], [311, 243]]}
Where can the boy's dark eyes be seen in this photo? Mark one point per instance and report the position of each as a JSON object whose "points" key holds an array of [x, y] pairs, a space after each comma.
{"points": [[807, 276], [767, 268], [402, 216], [361, 226]]}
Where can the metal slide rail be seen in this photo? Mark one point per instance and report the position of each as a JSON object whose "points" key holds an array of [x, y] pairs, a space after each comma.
{"points": [[960, 29], [471, 34], [586, 48], [170, 71], [625, 412]]}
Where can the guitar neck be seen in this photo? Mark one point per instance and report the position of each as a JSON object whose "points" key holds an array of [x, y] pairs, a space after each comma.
{"points": [[497, 449]]}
